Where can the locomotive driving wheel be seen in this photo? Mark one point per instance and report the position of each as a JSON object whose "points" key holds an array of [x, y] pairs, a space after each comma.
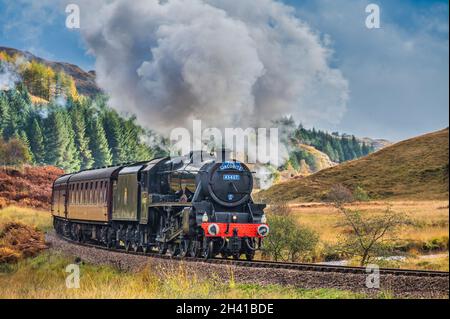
{"points": [[208, 248], [187, 248], [111, 238], [136, 241], [174, 250]]}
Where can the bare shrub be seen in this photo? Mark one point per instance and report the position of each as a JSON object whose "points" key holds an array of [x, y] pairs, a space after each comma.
{"points": [[339, 194], [368, 236], [279, 209], [18, 241]]}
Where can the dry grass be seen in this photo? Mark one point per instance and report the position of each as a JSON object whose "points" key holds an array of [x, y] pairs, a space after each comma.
{"points": [[413, 169], [425, 262], [40, 219], [427, 233], [430, 218], [45, 276]]}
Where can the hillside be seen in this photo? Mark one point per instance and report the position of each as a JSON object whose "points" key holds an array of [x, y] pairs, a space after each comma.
{"points": [[319, 161], [30, 186], [50, 114], [84, 81], [414, 168]]}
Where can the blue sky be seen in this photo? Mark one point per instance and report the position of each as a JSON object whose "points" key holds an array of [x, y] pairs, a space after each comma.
{"points": [[398, 75]]}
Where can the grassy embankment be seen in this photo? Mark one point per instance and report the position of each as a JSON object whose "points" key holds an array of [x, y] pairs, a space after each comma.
{"points": [[44, 277]]}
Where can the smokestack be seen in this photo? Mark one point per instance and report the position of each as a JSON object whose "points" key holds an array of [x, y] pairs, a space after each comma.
{"points": [[223, 154]]}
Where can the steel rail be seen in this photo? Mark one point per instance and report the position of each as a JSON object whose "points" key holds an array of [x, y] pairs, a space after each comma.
{"points": [[273, 264]]}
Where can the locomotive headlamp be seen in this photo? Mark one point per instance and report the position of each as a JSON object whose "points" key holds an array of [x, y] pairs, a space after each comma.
{"points": [[264, 219], [205, 218], [263, 230], [213, 229]]}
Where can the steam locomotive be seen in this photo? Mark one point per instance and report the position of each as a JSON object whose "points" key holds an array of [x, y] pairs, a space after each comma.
{"points": [[194, 205]]}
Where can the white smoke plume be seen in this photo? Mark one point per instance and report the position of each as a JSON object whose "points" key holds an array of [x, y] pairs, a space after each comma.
{"points": [[228, 63], [8, 76]]}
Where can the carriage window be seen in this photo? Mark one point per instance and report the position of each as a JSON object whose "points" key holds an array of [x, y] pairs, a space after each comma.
{"points": [[86, 193], [106, 192], [82, 194]]}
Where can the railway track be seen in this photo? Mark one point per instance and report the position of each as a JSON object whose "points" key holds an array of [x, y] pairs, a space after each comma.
{"points": [[275, 265]]}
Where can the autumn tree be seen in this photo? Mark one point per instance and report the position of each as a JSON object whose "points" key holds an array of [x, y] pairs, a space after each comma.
{"points": [[65, 86], [39, 79], [366, 234], [14, 152]]}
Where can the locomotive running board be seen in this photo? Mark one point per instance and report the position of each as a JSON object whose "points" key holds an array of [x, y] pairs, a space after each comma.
{"points": [[163, 204]]}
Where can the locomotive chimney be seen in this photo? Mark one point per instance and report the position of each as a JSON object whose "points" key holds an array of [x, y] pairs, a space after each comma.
{"points": [[223, 154]]}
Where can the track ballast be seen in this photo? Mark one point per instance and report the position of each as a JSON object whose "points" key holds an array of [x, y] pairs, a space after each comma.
{"points": [[275, 265]]}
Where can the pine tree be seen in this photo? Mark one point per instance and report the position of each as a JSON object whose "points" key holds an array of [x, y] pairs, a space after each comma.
{"points": [[23, 138], [53, 138], [356, 147], [365, 149], [5, 117], [116, 139], [81, 139], [37, 143], [71, 158], [99, 144], [60, 142]]}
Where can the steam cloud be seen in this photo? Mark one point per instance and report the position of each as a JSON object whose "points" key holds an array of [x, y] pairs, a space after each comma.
{"points": [[228, 63], [8, 76]]}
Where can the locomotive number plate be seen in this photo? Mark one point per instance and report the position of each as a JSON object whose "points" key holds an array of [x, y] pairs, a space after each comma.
{"points": [[231, 177]]}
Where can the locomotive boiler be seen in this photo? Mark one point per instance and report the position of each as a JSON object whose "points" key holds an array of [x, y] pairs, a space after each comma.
{"points": [[192, 205]]}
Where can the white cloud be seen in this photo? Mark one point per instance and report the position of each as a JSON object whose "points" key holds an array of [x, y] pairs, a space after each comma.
{"points": [[398, 74]]}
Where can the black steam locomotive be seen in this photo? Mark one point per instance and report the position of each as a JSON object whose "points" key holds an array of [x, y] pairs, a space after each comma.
{"points": [[193, 205]]}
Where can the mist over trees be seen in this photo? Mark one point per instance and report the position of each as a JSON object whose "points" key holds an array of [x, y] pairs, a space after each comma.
{"points": [[339, 148], [80, 134]]}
